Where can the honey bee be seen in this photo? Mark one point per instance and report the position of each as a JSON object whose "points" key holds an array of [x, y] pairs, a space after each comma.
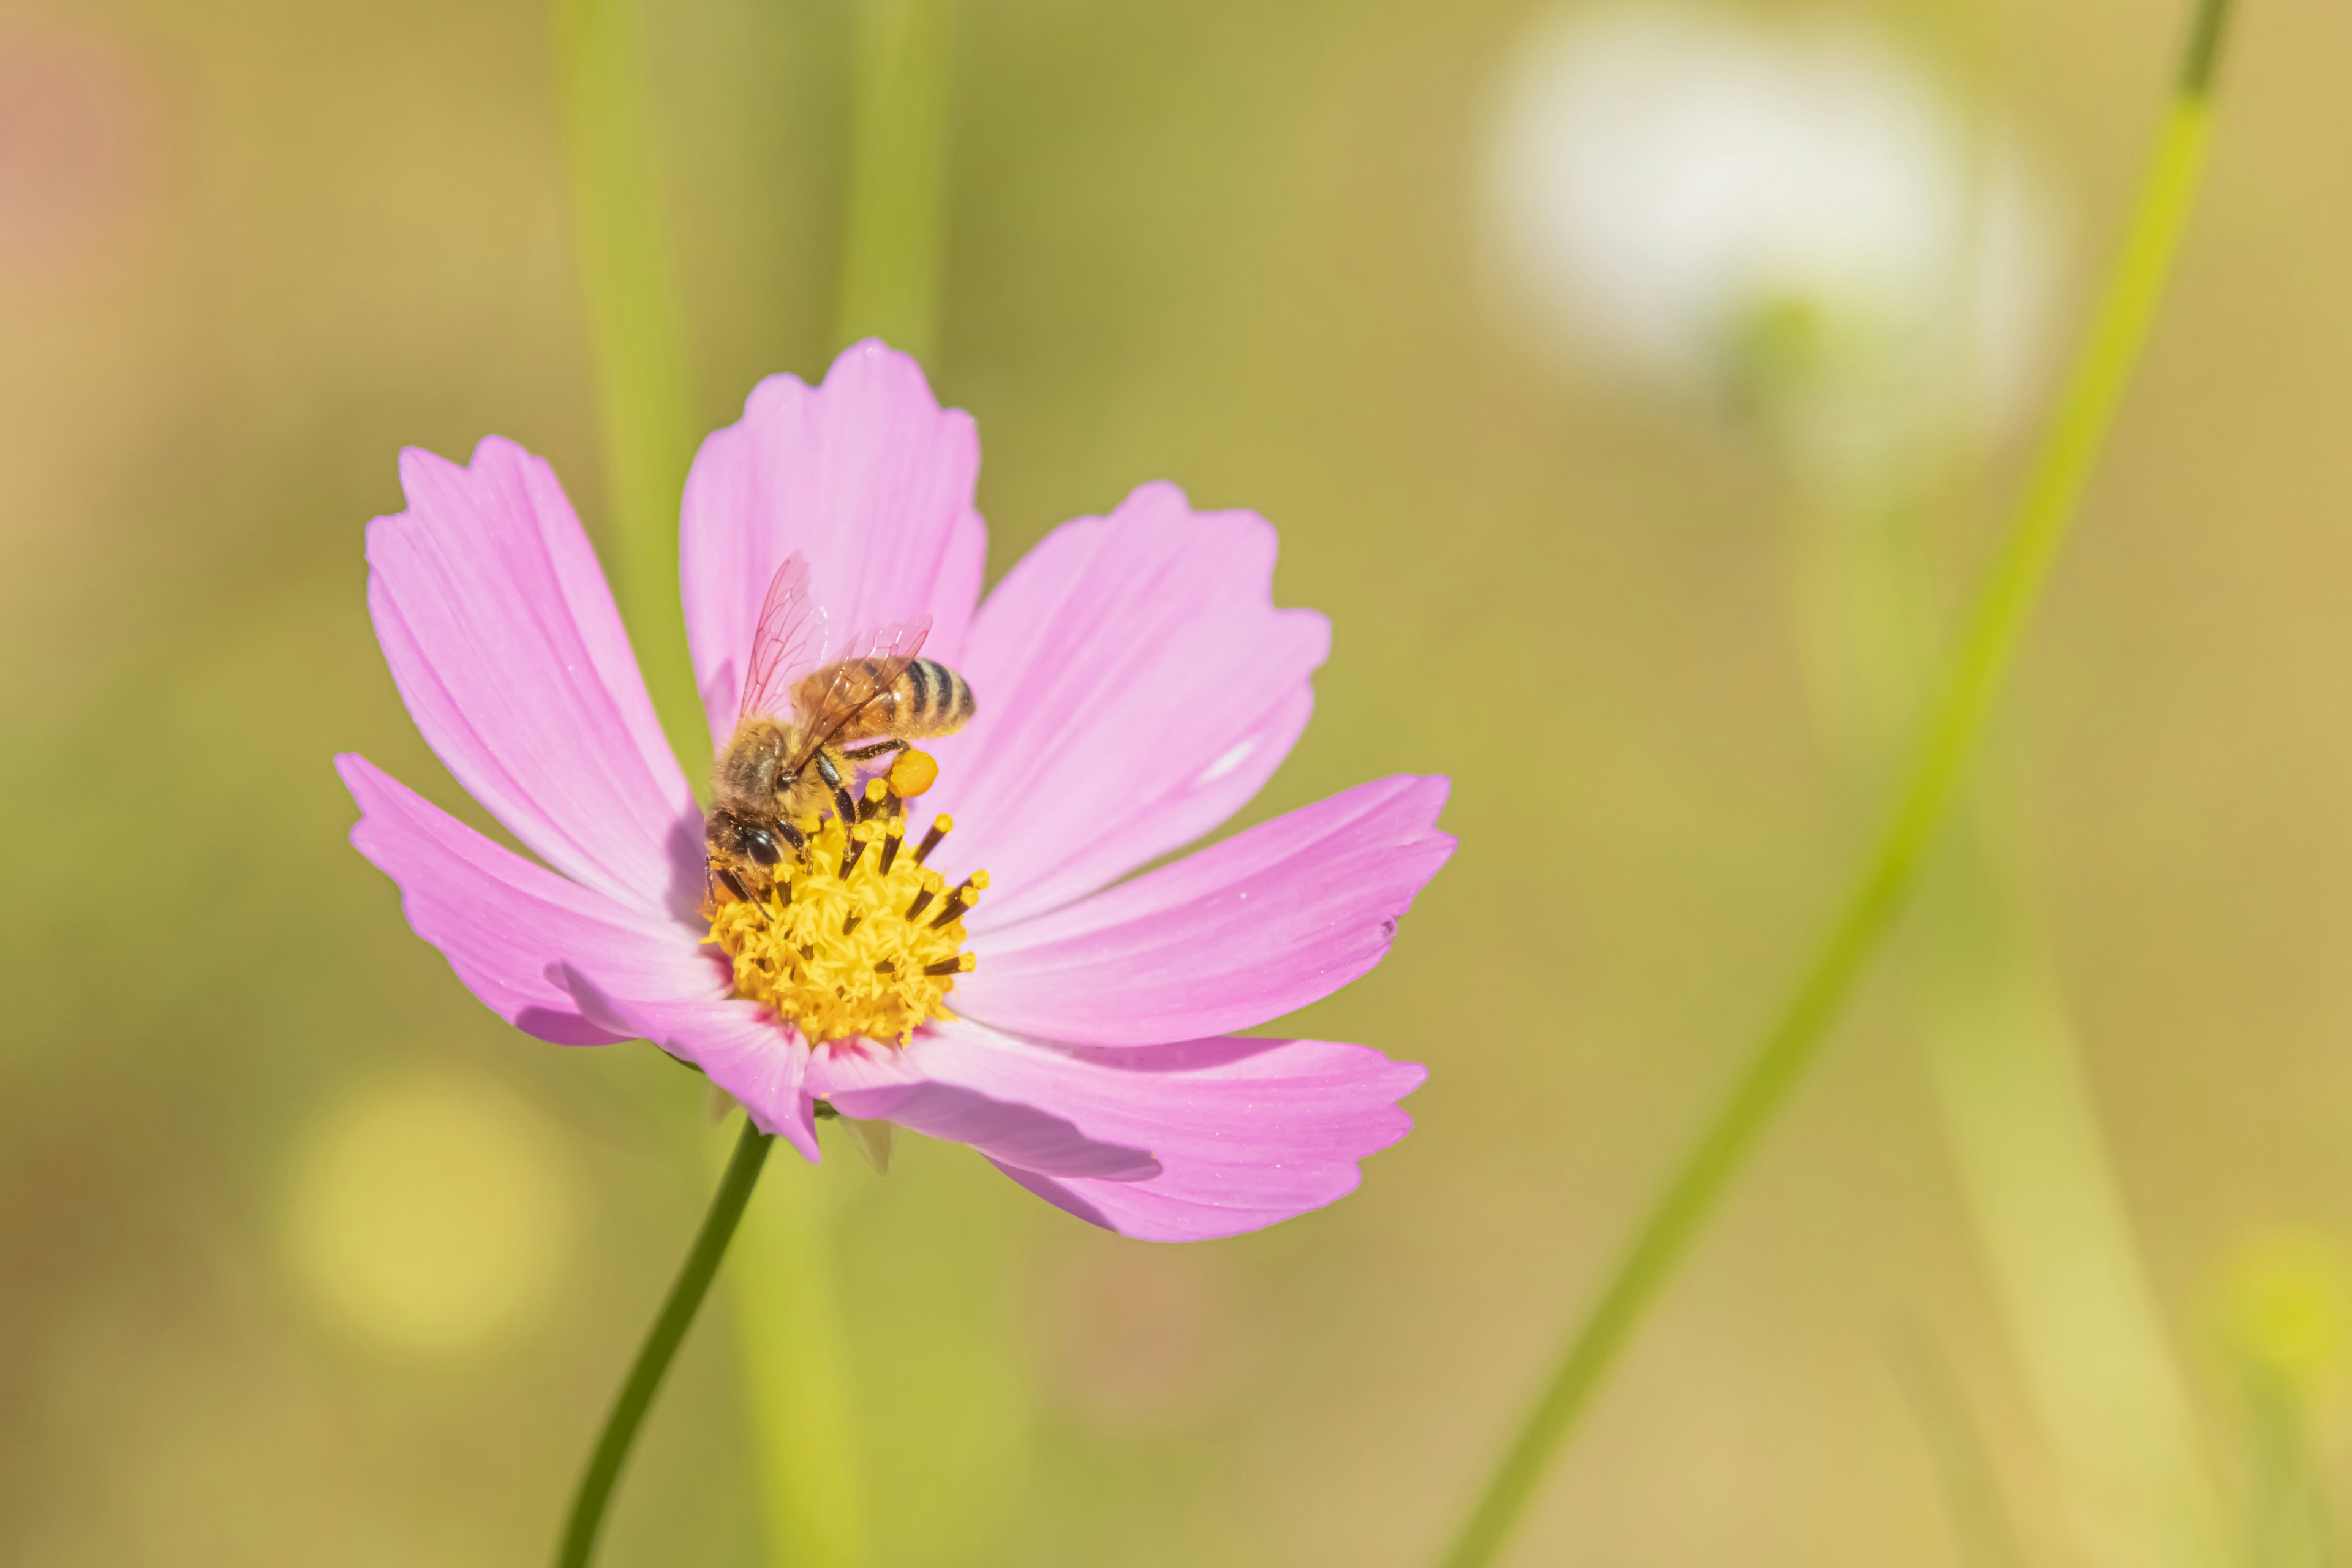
{"points": [[778, 776]]}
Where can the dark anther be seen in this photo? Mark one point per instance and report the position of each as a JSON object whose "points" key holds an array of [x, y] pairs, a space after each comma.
{"points": [[922, 902], [946, 966], [958, 901], [891, 840], [849, 922], [932, 840], [849, 857], [886, 966]]}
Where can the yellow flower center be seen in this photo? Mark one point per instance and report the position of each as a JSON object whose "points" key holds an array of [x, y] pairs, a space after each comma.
{"points": [[863, 939]]}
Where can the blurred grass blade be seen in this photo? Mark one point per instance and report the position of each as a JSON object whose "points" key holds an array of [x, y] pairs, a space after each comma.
{"points": [[811, 1462], [1955, 726], [636, 334], [2057, 1234], [2289, 1522], [808, 1460], [893, 264], [1987, 1537], [808, 1454]]}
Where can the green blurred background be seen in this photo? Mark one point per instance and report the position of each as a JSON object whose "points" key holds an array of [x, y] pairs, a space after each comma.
{"points": [[305, 1257]]}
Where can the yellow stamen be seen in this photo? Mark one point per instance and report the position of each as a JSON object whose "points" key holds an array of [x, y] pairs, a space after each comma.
{"points": [[851, 943]]}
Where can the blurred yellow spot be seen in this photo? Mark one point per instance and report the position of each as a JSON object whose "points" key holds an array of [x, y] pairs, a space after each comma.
{"points": [[430, 1216], [2287, 1301]]}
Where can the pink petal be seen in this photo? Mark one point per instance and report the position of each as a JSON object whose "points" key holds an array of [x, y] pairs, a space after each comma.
{"points": [[742, 1048], [1136, 687], [867, 476], [877, 1082], [1245, 931], [503, 923], [505, 644], [1242, 1133]]}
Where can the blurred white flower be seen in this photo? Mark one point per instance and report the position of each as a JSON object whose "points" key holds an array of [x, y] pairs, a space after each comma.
{"points": [[1798, 217]]}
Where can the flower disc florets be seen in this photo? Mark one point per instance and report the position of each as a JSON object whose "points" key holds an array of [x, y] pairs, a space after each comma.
{"points": [[859, 939]]}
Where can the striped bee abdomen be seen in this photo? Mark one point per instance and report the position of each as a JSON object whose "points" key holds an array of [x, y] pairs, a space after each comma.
{"points": [[932, 699], [925, 698]]}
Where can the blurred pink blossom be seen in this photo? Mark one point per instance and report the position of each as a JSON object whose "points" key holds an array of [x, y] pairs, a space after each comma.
{"points": [[81, 140]]}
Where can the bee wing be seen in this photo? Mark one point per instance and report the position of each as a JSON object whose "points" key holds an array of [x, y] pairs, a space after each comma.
{"points": [[788, 643], [889, 650]]}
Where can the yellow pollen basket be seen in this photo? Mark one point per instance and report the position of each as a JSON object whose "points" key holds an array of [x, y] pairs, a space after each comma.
{"points": [[863, 939]]}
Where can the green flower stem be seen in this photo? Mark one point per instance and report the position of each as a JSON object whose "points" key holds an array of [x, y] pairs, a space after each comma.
{"points": [[636, 335], [1954, 729], [661, 1345]]}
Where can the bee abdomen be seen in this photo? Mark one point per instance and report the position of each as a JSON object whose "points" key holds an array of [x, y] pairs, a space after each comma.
{"points": [[932, 699]]}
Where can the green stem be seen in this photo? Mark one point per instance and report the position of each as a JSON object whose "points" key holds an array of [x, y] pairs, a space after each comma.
{"points": [[636, 334], [1954, 728], [893, 261], [661, 1344]]}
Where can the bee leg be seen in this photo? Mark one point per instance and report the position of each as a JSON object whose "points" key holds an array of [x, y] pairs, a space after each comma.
{"points": [[869, 753], [735, 886], [842, 803]]}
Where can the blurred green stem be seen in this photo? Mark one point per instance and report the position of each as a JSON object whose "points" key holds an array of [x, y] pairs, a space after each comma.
{"points": [[810, 1459], [893, 260], [2289, 1521], [636, 335], [1988, 1537], [661, 1345], [1954, 728], [2024, 1133], [807, 1452]]}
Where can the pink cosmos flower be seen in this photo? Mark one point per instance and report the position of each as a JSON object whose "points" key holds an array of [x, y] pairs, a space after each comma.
{"points": [[1136, 686]]}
